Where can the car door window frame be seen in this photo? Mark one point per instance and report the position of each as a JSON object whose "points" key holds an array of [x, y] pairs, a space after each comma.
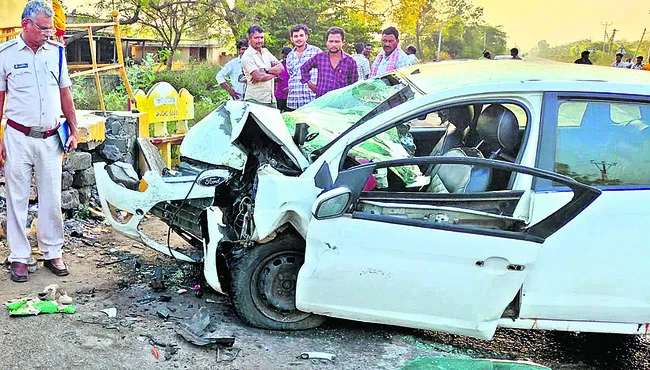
{"points": [[354, 179], [546, 145]]}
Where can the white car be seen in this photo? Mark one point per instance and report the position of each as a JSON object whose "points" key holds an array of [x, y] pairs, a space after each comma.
{"points": [[456, 197]]}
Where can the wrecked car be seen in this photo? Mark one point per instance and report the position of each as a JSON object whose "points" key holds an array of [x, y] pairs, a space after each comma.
{"points": [[431, 197]]}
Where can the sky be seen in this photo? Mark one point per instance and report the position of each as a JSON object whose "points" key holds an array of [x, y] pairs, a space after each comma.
{"points": [[556, 21], [561, 21]]}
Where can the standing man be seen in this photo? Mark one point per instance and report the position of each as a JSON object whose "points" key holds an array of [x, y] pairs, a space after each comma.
{"points": [[336, 69], [411, 50], [514, 53], [367, 51], [260, 68], [233, 70], [639, 63], [34, 89], [646, 67], [391, 57], [584, 58], [299, 93], [619, 63], [282, 82], [363, 65]]}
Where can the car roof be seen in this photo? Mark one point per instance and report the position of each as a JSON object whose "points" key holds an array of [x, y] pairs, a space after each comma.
{"points": [[546, 75]]}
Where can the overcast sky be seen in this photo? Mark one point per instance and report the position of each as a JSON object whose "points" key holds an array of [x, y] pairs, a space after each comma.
{"points": [[561, 21]]}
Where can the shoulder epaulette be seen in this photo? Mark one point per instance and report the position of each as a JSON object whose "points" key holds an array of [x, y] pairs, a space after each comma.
{"points": [[7, 44], [55, 43]]}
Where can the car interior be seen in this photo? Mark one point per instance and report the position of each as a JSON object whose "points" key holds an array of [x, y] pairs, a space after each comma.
{"points": [[463, 195]]}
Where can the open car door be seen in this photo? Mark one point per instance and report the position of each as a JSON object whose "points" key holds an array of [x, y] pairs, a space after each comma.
{"points": [[444, 262]]}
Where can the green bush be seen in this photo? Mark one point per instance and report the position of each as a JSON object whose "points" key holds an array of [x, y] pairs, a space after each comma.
{"points": [[198, 79]]}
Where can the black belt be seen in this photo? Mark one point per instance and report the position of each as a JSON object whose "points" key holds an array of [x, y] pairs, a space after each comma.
{"points": [[32, 132]]}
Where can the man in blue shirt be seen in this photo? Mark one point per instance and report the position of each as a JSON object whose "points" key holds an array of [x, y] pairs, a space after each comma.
{"points": [[234, 71]]}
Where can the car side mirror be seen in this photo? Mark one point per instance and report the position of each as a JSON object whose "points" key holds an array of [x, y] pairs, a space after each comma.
{"points": [[300, 134], [331, 204]]}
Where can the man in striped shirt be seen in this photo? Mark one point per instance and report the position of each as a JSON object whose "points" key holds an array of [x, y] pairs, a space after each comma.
{"points": [[299, 93]]}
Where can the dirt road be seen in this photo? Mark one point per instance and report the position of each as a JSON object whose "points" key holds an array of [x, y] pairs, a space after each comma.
{"points": [[89, 339]]}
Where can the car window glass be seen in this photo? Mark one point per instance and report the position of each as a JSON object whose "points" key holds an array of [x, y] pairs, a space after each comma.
{"points": [[570, 113], [609, 145], [458, 136]]}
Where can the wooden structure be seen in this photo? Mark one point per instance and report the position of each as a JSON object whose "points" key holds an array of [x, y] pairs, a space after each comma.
{"points": [[163, 105], [9, 32]]}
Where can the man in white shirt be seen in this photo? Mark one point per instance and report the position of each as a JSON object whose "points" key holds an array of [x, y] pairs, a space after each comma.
{"points": [[639, 63], [619, 63], [363, 65], [411, 50], [391, 57], [233, 70]]}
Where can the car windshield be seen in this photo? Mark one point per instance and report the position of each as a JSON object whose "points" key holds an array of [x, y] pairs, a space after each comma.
{"points": [[332, 114]]}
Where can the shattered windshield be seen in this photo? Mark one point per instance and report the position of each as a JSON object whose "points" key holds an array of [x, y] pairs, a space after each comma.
{"points": [[334, 113]]}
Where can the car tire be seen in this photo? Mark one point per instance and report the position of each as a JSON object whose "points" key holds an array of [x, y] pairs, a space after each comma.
{"points": [[263, 285]]}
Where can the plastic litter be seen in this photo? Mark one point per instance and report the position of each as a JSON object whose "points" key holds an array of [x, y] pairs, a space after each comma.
{"points": [[35, 306]]}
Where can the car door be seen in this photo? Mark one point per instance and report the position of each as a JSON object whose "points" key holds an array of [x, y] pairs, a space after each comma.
{"points": [[597, 268], [444, 262]]}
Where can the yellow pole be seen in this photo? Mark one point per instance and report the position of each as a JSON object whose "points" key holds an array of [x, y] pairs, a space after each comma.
{"points": [[120, 57], [98, 83]]}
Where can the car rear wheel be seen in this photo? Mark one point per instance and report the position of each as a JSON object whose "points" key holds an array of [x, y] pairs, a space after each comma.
{"points": [[264, 285]]}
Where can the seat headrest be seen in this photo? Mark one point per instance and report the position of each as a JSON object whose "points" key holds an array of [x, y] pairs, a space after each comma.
{"points": [[460, 117], [497, 125]]}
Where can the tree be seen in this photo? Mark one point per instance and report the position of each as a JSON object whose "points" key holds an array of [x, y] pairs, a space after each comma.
{"points": [[170, 20]]}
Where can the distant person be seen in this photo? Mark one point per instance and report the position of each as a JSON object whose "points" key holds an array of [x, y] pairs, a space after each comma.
{"points": [[514, 53], [646, 67], [639, 63], [363, 64], [411, 50], [336, 69], [486, 55], [261, 68], [391, 57], [233, 70], [619, 63], [299, 93], [367, 52], [282, 82], [584, 58]]}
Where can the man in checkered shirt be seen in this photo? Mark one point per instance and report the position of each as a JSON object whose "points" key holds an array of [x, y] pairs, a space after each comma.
{"points": [[299, 93]]}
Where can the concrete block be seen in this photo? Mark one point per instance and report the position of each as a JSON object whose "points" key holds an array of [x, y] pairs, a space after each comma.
{"points": [[85, 194], [123, 174], [111, 152], [122, 144], [70, 199], [77, 161], [66, 180], [84, 178]]}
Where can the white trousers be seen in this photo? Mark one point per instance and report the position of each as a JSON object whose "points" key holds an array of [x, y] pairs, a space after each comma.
{"points": [[42, 158]]}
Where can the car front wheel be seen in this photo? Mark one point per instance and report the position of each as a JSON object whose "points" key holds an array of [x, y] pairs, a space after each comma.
{"points": [[264, 285]]}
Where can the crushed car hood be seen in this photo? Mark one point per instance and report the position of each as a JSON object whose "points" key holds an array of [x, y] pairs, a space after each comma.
{"points": [[212, 140]]}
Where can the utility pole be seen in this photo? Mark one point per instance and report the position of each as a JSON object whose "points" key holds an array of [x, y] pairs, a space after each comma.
{"points": [[439, 40], [603, 167], [636, 53], [606, 24], [611, 40]]}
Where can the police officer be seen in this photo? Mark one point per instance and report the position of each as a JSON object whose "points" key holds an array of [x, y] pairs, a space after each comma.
{"points": [[34, 89]]}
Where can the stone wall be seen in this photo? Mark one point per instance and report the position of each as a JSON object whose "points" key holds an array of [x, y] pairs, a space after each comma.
{"points": [[78, 179]]}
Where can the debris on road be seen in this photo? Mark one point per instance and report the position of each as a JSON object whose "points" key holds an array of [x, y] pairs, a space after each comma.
{"points": [[317, 356], [158, 283], [155, 353], [35, 306], [227, 354], [110, 312], [193, 331], [210, 301], [55, 293], [181, 291]]}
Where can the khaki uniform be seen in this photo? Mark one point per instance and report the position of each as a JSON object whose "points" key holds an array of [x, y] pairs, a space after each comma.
{"points": [[32, 85], [251, 60]]}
